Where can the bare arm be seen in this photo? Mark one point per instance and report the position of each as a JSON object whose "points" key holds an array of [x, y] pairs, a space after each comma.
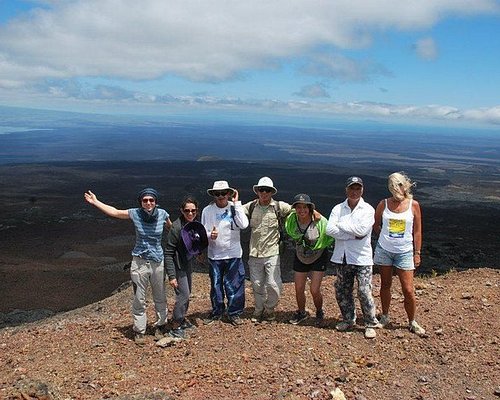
{"points": [[377, 226], [417, 232], [91, 198]]}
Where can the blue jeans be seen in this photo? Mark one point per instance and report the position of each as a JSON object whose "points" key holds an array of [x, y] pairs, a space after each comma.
{"points": [[227, 278]]}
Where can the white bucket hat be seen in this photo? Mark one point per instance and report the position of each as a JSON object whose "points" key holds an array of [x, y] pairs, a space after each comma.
{"points": [[220, 186], [265, 182]]}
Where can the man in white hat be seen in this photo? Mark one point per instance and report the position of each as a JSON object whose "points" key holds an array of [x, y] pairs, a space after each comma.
{"points": [[351, 223], [265, 218], [223, 219]]}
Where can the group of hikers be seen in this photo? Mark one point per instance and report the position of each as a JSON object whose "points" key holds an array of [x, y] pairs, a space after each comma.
{"points": [[396, 221]]}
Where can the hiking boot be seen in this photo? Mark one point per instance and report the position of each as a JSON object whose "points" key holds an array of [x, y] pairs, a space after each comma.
{"points": [[384, 320], [159, 332], [256, 316], [298, 317], [186, 324], [211, 319], [370, 333], [235, 320], [177, 333], [269, 316], [343, 326], [139, 338], [416, 328]]}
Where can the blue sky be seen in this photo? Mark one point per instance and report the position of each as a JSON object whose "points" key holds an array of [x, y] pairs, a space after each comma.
{"points": [[425, 62]]}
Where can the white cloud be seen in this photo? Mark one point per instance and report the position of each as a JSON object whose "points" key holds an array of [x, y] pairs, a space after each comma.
{"points": [[200, 40], [125, 100], [426, 49]]}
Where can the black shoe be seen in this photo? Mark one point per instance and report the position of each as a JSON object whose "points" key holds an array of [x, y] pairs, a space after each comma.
{"points": [[177, 333], [186, 324], [298, 317], [320, 316], [235, 320], [211, 319]]}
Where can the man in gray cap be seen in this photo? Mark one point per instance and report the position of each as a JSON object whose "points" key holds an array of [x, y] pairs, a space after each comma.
{"points": [[351, 223], [265, 217]]}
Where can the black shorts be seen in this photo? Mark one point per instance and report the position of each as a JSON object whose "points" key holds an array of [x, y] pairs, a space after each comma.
{"points": [[318, 265]]}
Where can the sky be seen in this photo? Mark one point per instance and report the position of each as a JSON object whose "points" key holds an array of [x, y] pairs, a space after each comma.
{"points": [[422, 62]]}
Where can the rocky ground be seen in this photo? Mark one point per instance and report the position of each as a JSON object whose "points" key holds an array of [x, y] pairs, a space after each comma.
{"points": [[88, 353]]}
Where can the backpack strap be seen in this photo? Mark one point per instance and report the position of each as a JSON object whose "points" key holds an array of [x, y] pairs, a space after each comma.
{"points": [[251, 208]]}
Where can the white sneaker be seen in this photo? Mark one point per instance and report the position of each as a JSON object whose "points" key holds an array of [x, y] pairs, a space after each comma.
{"points": [[416, 328], [343, 326], [370, 333], [384, 320]]}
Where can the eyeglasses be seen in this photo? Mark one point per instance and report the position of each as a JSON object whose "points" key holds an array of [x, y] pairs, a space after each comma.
{"points": [[148, 200], [264, 189], [189, 211], [220, 194]]}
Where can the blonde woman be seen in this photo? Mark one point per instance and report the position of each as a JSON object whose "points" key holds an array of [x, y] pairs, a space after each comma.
{"points": [[398, 221]]}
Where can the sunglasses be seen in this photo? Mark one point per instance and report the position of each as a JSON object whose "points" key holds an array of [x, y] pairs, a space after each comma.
{"points": [[186, 211], [220, 194], [264, 189], [148, 200]]}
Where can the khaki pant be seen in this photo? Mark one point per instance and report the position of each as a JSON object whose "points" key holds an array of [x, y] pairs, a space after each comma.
{"points": [[142, 273], [265, 275]]}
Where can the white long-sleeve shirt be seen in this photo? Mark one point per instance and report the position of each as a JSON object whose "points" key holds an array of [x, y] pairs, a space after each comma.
{"points": [[227, 245], [352, 232]]}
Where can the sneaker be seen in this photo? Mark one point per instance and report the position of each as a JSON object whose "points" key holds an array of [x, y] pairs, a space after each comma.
{"points": [[235, 320], [256, 316], [177, 333], [159, 332], [416, 328], [211, 319], [370, 333], [384, 320], [186, 324], [139, 338], [298, 317], [320, 317], [269, 316], [343, 326]]}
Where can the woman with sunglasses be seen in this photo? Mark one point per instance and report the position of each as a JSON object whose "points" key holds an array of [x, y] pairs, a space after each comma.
{"points": [[179, 259], [147, 256], [311, 257]]}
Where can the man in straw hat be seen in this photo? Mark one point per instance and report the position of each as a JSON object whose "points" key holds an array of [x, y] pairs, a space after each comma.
{"points": [[223, 219]]}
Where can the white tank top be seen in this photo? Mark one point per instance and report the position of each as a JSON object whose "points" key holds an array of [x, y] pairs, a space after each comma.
{"points": [[396, 235]]}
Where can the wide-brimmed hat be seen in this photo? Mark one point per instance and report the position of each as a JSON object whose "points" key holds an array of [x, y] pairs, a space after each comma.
{"points": [[353, 180], [194, 237], [265, 182], [302, 198], [220, 186]]}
